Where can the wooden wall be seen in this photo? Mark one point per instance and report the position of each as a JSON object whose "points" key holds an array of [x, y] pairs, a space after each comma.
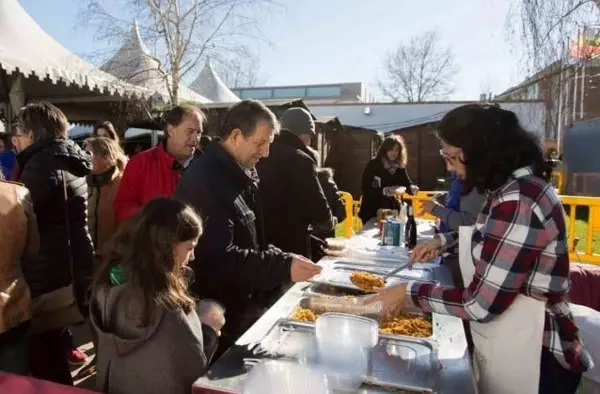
{"points": [[350, 149], [425, 165]]}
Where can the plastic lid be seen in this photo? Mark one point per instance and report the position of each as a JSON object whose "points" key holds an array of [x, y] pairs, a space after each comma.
{"points": [[283, 377], [336, 328]]}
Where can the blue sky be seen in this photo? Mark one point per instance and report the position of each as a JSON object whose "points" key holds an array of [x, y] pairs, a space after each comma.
{"points": [[327, 41]]}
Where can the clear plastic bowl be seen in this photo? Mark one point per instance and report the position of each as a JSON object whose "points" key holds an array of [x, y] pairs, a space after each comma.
{"points": [[337, 243], [345, 365], [282, 377], [341, 328], [337, 247]]}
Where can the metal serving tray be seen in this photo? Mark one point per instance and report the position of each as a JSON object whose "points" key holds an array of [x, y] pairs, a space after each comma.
{"points": [[417, 272], [353, 306], [401, 364], [338, 274]]}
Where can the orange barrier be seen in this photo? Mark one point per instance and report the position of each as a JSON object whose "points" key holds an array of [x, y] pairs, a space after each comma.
{"points": [[558, 181], [353, 224], [593, 228], [417, 203]]}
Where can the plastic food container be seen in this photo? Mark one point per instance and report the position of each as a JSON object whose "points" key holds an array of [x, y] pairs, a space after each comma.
{"points": [[341, 328], [337, 247], [344, 364], [281, 377]]}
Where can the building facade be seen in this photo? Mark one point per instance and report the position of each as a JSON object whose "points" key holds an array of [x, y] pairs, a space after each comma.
{"points": [[355, 92], [570, 93]]}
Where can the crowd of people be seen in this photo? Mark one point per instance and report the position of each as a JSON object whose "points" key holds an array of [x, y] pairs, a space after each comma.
{"points": [[172, 254]]}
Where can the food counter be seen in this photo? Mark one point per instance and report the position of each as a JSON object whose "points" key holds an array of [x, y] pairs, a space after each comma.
{"points": [[439, 363]]}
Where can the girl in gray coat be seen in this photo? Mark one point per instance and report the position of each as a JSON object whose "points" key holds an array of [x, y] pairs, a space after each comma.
{"points": [[152, 336]]}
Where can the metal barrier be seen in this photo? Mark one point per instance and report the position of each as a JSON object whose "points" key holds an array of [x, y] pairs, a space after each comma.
{"points": [[593, 227], [417, 203], [558, 181], [352, 223]]}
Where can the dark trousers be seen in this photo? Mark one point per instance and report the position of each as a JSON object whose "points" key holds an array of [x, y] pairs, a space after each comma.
{"points": [[47, 356], [554, 379], [13, 350]]}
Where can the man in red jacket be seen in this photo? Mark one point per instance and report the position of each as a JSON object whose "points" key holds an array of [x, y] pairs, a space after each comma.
{"points": [[156, 172]]}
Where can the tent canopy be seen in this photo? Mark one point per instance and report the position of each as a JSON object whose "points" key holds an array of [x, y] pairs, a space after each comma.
{"points": [[133, 63], [211, 86], [34, 66]]}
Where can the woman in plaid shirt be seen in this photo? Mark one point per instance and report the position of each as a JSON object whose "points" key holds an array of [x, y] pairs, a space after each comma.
{"points": [[519, 245]]}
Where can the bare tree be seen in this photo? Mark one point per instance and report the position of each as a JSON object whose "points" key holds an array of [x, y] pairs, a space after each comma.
{"points": [[183, 32], [419, 70], [240, 71], [546, 27]]}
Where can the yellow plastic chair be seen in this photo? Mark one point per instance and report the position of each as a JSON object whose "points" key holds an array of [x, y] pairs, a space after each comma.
{"points": [[349, 205]]}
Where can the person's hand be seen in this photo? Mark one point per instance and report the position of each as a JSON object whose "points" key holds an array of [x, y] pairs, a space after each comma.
{"points": [[426, 251], [392, 298], [427, 207], [414, 189], [388, 191], [303, 269], [211, 314]]}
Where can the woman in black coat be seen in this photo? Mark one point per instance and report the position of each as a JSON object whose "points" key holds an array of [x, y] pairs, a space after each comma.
{"points": [[382, 175], [54, 170]]}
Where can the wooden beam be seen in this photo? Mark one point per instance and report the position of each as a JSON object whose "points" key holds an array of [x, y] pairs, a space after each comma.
{"points": [[83, 99]]}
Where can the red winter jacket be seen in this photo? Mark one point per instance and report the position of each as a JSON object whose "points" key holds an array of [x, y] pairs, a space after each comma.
{"points": [[149, 174]]}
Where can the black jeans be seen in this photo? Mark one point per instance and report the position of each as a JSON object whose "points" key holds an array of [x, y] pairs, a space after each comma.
{"points": [[48, 358], [554, 379]]}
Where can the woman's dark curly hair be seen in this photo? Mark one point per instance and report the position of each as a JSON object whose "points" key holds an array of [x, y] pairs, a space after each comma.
{"points": [[494, 145]]}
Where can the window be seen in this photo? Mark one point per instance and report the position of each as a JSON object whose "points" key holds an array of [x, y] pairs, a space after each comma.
{"points": [[256, 94], [324, 91], [289, 92]]}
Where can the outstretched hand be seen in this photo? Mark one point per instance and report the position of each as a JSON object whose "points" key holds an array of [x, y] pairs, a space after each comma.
{"points": [[392, 297]]}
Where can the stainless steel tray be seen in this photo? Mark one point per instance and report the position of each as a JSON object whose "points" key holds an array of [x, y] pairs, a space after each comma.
{"points": [[402, 364], [322, 304], [338, 274], [417, 272]]}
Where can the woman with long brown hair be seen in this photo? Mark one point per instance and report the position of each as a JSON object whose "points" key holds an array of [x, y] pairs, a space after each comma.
{"points": [[108, 164], [152, 336], [107, 130], [382, 176]]}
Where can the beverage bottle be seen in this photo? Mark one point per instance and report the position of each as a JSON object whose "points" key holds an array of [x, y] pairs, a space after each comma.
{"points": [[410, 233]]}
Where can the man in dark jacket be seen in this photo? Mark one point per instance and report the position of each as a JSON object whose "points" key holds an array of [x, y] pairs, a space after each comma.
{"points": [[290, 190], [234, 265]]}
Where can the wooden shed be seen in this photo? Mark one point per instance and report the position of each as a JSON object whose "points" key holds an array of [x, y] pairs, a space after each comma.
{"points": [[348, 150], [425, 165]]}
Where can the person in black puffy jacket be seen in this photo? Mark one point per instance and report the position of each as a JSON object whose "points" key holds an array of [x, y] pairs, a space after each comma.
{"points": [[49, 163]]}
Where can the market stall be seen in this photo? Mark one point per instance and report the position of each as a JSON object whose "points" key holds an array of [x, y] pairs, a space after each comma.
{"points": [[425, 362]]}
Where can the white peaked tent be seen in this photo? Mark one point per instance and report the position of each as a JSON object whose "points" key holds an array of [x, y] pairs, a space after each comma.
{"points": [[211, 86], [33, 66], [133, 63]]}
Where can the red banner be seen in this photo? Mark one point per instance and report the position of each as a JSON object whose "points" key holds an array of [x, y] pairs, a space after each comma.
{"points": [[587, 44]]}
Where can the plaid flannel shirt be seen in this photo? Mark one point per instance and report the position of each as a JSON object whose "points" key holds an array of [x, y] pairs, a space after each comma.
{"points": [[519, 246]]}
